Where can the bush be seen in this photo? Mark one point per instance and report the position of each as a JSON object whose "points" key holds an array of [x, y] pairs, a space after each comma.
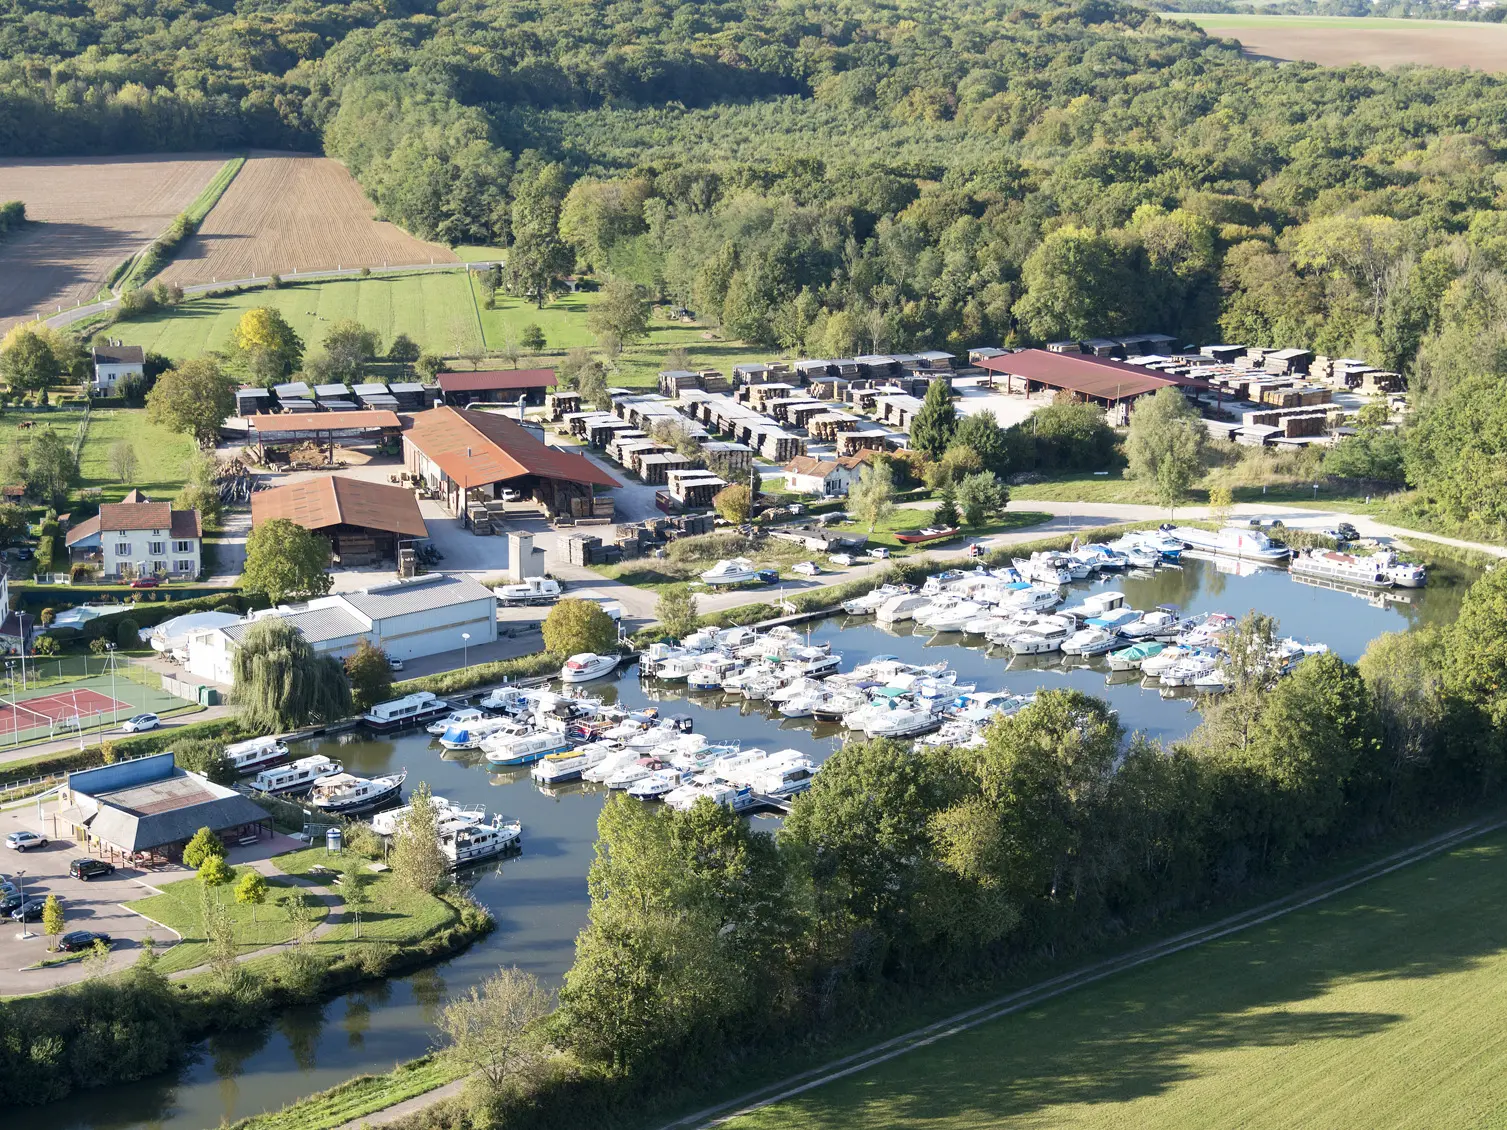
{"points": [[44, 645], [127, 633], [48, 615]]}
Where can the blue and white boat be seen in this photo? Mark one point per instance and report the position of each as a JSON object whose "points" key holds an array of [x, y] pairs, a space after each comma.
{"points": [[521, 743]]}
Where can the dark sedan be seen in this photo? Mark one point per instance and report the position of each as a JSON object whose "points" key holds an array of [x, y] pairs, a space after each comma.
{"points": [[29, 911], [79, 940]]}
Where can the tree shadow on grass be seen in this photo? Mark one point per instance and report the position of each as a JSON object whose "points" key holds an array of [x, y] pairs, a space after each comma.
{"points": [[1143, 1033]]}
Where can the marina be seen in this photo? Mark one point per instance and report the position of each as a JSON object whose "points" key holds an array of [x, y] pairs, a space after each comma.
{"points": [[539, 895]]}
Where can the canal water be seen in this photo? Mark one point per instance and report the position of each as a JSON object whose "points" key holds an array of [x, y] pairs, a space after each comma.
{"points": [[539, 896]]}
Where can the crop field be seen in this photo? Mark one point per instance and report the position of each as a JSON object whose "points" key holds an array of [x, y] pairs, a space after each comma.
{"points": [[284, 214], [434, 308], [1382, 1008], [1340, 40], [94, 213]]}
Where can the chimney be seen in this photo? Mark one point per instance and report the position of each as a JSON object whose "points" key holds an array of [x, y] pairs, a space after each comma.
{"points": [[468, 453]]}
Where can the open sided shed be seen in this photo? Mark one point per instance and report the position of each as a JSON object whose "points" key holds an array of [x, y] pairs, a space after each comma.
{"points": [[364, 521]]}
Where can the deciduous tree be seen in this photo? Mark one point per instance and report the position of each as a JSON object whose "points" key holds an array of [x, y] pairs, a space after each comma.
{"points": [[622, 311], [576, 626], [676, 611], [123, 460], [195, 397], [348, 347], [251, 890], [280, 683], [417, 861], [27, 361], [872, 498], [734, 503], [1167, 444], [285, 560], [53, 919], [369, 674], [493, 1029], [265, 344], [200, 847]]}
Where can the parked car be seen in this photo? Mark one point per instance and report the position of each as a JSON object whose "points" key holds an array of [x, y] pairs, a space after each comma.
{"points": [[87, 869], [510, 495], [145, 583], [394, 664], [881, 554], [30, 910], [806, 568], [140, 723], [840, 558], [10, 903], [768, 576], [25, 841], [76, 940]]}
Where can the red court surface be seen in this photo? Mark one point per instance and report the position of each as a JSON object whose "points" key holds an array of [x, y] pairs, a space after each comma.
{"points": [[84, 704]]}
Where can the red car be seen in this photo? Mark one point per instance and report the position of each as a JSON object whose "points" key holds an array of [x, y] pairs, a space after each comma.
{"points": [[145, 583]]}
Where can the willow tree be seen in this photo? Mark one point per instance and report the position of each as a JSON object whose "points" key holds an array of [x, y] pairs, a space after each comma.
{"points": [[281, 683]]}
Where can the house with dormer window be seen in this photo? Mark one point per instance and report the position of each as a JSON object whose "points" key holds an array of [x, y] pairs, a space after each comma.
{"points": [[139, 538]]}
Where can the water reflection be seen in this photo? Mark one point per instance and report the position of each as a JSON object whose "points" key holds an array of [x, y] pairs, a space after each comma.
{"points": [[539, 897]]}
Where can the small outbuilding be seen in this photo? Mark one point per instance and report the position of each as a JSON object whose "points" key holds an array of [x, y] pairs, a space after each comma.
{"points": [[497, 386]]}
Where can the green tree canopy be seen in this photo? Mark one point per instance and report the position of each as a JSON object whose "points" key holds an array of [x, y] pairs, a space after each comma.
{"points": [[576, 626], [195, 397], [27, 361], [280, 683], [983, 497], [1167, 445], [285, 560], [622, 311], [348, 347], [676, 611], [417, 861], [265, 345], [200, 847], [935, 423], [369, 674], [872, 497]]}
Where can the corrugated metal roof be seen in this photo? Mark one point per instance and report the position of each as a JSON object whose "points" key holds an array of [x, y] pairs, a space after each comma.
{"points": [[317, 625], [497, 380], [476, 448], [1089, 376], [341, 500], [421, 594], [273, 423]]}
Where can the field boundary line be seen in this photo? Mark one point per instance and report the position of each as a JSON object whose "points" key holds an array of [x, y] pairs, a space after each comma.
{"points": [[798, 1084]]}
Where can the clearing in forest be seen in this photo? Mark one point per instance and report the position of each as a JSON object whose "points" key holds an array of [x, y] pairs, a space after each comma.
{"points": [[1338, 41], [94, 213], [1382, 1007], [285, 214]]}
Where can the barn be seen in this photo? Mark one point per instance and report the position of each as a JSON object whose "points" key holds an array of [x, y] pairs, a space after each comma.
{"points": [[497, 386], [366, 522]]}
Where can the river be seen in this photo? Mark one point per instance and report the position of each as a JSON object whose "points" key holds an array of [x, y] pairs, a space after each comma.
{"points": [[539, 896]]}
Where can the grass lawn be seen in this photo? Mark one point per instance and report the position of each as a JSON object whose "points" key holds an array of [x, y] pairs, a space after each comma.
{"points": [[161, 455], [359, 1096], [395, 914], [179, 906], [434, 308], [1380, 1008]]}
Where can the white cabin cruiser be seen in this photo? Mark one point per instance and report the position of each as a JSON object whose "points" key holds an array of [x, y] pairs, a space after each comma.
{"points": [[346, 793], [510, 700], [1187, 670], [1046, 568], [869, 602], [1091, 640], [898, 609], [587, 666], [568, 764], [295, 777], [1242, 542], [523, 743], [1160, 624], [1153, 666], [953, 618], [470, 735], [256, 754], [1376, 571], [456, 718], [1046, 635], [657, 785], [410, 710], [386, 823], [901, 722], [464, 841], [737, 571], [619, 757]]}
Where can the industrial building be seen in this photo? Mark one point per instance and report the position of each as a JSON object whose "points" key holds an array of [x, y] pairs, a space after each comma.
{"points": [[365, 522]]}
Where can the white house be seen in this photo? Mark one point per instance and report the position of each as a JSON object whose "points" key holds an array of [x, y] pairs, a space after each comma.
{"points": [[114, 361], [408, 619], [139, 538], [828, 478]]}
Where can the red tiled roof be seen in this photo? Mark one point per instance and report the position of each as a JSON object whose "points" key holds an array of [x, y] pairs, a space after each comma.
{"points": [[475, 448], [1076, 372], [811, 465], [336, 500], [494, 380], [138, 516], [323, 421]]}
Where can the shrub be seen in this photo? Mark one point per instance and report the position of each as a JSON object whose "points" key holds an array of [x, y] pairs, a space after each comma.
{"points": [[44, 645], [127, 634], [47, 616]]}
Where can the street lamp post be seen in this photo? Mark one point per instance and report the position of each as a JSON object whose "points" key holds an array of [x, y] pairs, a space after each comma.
{"points": [[114, 702], [21, 623], [25, 933], [466, 649]]}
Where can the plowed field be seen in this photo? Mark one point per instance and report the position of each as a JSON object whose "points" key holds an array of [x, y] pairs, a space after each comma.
{"points": [[1338, 41], [287, 214], [96, 212]]}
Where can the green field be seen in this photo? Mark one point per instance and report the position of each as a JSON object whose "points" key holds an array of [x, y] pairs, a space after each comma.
{"points": [[442, 311], [434, 308], [161, 454], [1382, 1008]]}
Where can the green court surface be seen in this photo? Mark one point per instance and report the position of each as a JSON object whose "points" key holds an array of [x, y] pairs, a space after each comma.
{"points": [[63, 696]]}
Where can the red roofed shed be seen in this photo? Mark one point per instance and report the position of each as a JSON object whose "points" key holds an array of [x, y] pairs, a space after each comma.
{"points": [[498, 386], [460, 454], [1113, 384]]}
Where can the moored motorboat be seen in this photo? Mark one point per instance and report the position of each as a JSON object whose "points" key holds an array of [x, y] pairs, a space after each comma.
{"points": [[400, 713], [346, 794], [523, 743], [295, 777], [456, 718], [1132, 657], [465, 841], [568, 764], [586, 666], [256, 754]]}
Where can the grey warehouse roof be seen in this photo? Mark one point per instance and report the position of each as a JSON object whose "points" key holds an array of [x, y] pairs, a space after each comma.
{"points": [[315, 625], [422, 594]]}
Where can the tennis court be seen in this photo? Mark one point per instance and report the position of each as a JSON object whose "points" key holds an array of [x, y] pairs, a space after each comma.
{"points": [[64, 705]]}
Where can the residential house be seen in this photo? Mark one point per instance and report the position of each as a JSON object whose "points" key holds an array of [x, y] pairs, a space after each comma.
{"points": [[807, 474], [114, 361], [139, 538]]}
